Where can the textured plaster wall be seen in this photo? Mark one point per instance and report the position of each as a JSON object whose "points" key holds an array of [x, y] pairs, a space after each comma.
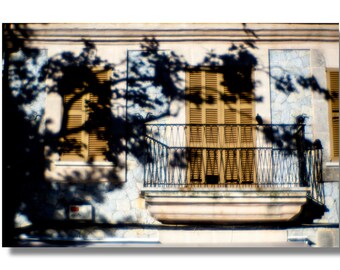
{"points": [[126, 204], [331, 191], [286, 106]]}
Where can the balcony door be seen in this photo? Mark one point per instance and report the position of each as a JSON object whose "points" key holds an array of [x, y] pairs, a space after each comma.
{"points": [[220, 144]]}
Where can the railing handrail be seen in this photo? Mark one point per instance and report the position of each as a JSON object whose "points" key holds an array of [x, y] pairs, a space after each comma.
{"points": [[157, 141]]}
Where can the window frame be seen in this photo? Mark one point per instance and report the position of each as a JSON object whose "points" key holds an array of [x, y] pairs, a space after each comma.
{"points": [[84, 153]]}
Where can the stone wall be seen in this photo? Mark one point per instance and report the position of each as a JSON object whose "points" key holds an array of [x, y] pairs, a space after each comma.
{"points": [[286, 105]]}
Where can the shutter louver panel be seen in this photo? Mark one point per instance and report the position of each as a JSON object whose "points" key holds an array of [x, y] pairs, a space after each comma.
{"points": [[246, 116], [74, 139], [195, 84], [333, 82], [102, 75], [246, 98], [212, 172], [195, 116], [195, 112], [231, 172], [335, 136], [334, 88], [93, 98], [211, 116], [230, 131], [195, 131], [247, 157], [76, 105], [229, 98], [75, 119], [211, 131], [195, 163], [97, 146], [230, 137], [211, 86], [74, 122]]}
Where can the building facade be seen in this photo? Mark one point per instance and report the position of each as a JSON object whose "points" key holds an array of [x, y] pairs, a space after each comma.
{"points": [[203, 134]]}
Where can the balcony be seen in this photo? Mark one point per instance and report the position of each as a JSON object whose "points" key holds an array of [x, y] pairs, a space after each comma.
{"points": [[230, 173]]}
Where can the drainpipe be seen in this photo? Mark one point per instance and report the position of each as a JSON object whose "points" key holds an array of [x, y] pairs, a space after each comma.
{"points": [[301, 151]]}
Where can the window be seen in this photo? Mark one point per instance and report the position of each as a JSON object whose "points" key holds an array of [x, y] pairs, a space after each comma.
{"points": [[219, 154], [333, 86], [80, 145]]}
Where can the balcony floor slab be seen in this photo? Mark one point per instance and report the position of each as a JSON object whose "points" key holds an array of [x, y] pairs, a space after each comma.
{"points": [[222, 205]]}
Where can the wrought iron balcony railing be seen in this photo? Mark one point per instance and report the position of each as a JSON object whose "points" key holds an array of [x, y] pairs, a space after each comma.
{"points": [[221, 155]]}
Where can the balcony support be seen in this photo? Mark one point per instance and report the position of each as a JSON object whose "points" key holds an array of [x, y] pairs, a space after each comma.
{"points": [[224, 206]]}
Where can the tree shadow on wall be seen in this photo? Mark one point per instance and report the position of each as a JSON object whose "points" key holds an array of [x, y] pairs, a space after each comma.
{"points": [[91, 91]]}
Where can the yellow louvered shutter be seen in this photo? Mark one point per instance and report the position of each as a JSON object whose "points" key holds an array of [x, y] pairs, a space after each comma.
{"points": [[247, 154], [195, 117], [92, 145], [333, 85], [195, 112], [231, 118], [239, 165], [195, 165], [103, 75], [195, 131], [76, 117], [212, 116], [238, 162], [97, 145], [211, 107]]}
